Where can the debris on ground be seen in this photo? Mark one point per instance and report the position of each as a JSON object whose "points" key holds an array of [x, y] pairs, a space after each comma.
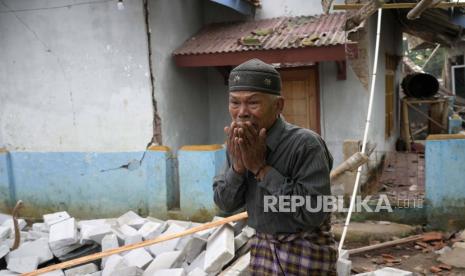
{"points": [[432, 253], [61, 237]]}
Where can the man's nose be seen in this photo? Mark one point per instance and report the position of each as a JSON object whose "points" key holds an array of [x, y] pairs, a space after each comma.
{"points": [[243, 111]]}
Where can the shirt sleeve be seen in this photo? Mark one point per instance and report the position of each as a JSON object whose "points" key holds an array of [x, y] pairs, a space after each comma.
{"points": [[229, 189], [309, 178]]}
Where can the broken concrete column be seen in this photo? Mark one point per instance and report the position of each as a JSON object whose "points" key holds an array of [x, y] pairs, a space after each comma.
{"points": [[220, 249], [139, 258], [81, 270]]}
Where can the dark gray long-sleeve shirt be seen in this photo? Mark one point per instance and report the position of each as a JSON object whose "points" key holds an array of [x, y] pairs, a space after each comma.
{"points": [[300, 163]]}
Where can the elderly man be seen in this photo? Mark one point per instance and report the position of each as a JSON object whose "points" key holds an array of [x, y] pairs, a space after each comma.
{"points": [[268, 157]]}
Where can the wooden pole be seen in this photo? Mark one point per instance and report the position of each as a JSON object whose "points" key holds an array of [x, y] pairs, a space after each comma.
{"points": [[96, 256], [385, 244], [397, 6]]}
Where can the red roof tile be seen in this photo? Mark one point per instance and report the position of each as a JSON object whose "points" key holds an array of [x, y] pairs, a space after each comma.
{"points": [[271, 34]]}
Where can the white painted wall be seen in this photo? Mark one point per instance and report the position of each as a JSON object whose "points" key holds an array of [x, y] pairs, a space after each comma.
{"points": [[182, 93], [74, 78]]}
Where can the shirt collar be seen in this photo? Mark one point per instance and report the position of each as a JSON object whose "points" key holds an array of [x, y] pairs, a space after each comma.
{"points": [[273, 135]]}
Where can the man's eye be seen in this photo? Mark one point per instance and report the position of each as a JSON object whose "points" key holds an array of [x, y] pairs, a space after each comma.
{"points": [[234, 103], [253, 102]]}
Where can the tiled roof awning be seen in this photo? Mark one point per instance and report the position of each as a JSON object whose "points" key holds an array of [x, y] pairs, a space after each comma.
{"points": [[277, 40]]}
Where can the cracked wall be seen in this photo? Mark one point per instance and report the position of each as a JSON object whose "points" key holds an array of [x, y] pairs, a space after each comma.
{"points": [[74, 78]]}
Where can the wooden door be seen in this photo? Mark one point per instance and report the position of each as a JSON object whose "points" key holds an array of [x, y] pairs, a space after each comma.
{"points": [[300, 91]]}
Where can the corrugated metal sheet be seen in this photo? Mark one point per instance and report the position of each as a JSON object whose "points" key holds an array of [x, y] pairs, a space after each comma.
{"points": [[276, 33]]}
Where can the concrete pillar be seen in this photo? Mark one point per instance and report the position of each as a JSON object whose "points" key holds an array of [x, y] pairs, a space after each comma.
{"points": [[444, 181], [197, 167]]}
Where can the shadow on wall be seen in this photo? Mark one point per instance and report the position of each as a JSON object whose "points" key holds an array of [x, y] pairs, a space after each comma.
{"points": [[108, 184]]}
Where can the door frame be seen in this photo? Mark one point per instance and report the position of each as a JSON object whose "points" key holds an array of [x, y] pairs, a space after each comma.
{"points": [[317, 89]]}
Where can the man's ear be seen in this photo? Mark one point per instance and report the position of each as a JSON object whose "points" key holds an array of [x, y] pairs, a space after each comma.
{"points": [[280, 104]]}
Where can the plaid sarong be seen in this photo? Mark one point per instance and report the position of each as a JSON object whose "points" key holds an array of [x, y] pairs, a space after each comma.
{"points": [[293, 254]]}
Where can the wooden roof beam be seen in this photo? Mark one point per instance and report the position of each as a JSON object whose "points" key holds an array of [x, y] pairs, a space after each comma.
{"points": [[397, 5], [421, 7]]}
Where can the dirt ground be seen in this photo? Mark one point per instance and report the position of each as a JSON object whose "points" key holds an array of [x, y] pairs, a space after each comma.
{"points": [[406, 257]]}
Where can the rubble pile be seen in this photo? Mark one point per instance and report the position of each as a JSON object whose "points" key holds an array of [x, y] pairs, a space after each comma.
{"points": [[60, 237]]}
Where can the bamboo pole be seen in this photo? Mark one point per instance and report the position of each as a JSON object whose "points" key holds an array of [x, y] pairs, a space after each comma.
{"points": [[365, 135], [384, 244], [397, 6], [125, 248]]}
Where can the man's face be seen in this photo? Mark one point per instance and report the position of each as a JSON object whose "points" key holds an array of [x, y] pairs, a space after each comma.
{"points": [[260, 109]]}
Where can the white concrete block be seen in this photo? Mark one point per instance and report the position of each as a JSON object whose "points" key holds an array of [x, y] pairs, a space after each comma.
{"points": [[128, 271], [61, 251], [38, 248], [54, 273], [35, 235], [109, 242], [40, 227], [132, 219], [240, 240], [152, 219], [98, 273], [344, 254], [4, 232], [4, 217], [220, 249], [197, 272], [113, 263], [81, 270], [239, 267], [9, 223], [151, 230], [96, 234], [168, 272], [139, 258], [4, 249], [343, 267], [169, 245], [197, 262], [193, 248], [182, 223], [63, 233], [165, 260], [23, 264], [6, 272], [248, 231], [130, 234], [387, 271], [50, 219]]}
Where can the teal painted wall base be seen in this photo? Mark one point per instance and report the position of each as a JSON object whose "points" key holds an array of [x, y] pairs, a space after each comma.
{"points": [[445, 183], [87, 185]]}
